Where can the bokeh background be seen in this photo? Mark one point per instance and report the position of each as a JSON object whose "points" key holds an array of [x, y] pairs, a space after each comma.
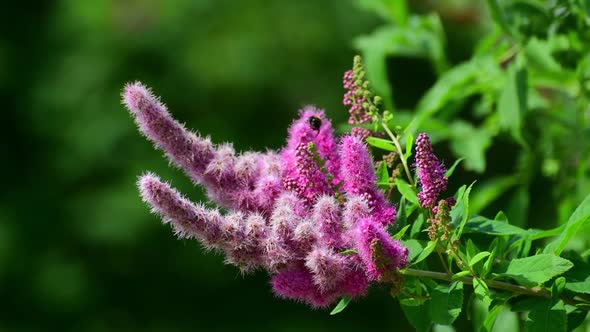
{"points": [[79, 251]]}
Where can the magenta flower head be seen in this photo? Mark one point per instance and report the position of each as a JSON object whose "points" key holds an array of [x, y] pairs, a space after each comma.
{"points": [[379, 253], [358, 178], [431, 172], [291, 212]]}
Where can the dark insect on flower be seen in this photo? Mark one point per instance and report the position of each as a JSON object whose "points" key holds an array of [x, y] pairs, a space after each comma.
{"points": [[315, 122]]}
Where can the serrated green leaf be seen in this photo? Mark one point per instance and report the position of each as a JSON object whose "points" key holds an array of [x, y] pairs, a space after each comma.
{"points": [[451, 170], [407, 191], [381, 143], [483, 225], [446, 303], [578, 219], [401, 233], [341, 305], [582, 286], [426, 252], [479, 257], [547, 316], [534, 270]]}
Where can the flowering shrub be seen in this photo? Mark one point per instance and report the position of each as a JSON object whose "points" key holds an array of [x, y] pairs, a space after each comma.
{"points": [[319, 216]]}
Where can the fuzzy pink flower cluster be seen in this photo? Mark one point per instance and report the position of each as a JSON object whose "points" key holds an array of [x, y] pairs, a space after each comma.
{"points": [[293, 213]]}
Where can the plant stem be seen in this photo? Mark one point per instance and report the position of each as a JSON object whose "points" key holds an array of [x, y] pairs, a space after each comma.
{"points": [[535, 291], [400, 152]]}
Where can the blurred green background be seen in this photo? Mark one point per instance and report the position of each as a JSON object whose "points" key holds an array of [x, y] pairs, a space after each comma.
{"points": [[79, 251]]}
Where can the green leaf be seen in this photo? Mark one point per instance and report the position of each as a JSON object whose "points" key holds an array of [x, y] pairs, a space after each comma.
{"points": [[394, 10], [558, 287], [537, 234], [451, 170], [460, 213], [490, 190], [446, 303], [479, 257], [383, 176], [580, 216], [422, 37], [512, 103], [534, 270], [506, 321], [409, 143], [417, 226], [517, 210], [498, 16], [487, 266], [545, 70], [548, 316], [381, 143], [402, 213], [407, 191], [481, 290], [488, 323], [426, 252], [456, 84], [579, 286], [418, 316], [401, 233], [414, 248], [341, 305], [478, 312], [483, 225], [471, 249], [471, 143], [575, 318]]}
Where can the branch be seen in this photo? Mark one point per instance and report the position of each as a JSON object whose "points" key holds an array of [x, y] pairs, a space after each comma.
{"points": [[535, 291]]}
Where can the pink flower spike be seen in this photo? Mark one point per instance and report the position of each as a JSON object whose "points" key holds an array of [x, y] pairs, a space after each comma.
{"points": [[431, 172], [188, 220], [359, 178], [379, 253]]}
